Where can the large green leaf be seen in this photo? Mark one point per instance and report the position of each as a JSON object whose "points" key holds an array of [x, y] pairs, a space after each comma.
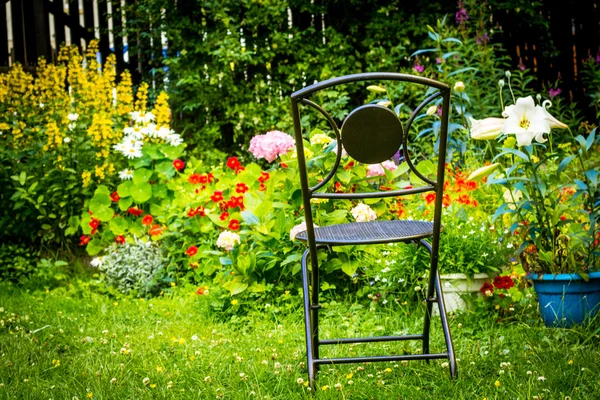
{"points": [[124, 189], [141, 192], [350, 267], [141, 175], [235, 286], [99, 201], [172, 152], [119, 226], [166, 168], [94, 247], [125, 203], [104, 213]]}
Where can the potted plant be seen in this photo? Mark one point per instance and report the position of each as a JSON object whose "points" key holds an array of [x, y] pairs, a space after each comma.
{"points": [[552, 204]]}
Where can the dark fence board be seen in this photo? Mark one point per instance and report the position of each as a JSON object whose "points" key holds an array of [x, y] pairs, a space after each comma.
{"points": [[3, 35]]}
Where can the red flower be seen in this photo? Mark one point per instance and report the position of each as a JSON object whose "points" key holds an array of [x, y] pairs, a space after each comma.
{"points": [[262, 187], [210, 177], [120, 239], [236, 202], [200, 211], [192, 212], [233, 163], [224, 216], [191, 251], [94, 223], [430, 197], [349, 165], [200, 291], [487, 286], [338, 187], [147, 220], [283, 165], [84, 240], [241, 188], [240, 169], [156, 230], [115, 196], [203, 179], [234, 224], [217, 196], [464, 199], [563, 218], [264, 176], [135, 211], [503, 282], [178, 164], [194, 179]]}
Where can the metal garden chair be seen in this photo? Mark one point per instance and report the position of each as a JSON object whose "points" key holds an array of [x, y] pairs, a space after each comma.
{"points": [[371, 134]]}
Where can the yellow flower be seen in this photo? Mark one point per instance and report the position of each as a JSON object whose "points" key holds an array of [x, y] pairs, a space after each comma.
{"points": [[162, 111], [234, 302], [497, 383], [89, 395], [325, 388], [570, 362]]}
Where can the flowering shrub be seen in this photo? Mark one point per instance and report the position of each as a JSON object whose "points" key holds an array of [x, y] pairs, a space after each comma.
{"points": [[135, 267], [551, 193], [57, 133]]}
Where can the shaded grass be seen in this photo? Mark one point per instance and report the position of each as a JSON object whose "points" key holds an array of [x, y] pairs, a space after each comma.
{"points": [[71, 342]]}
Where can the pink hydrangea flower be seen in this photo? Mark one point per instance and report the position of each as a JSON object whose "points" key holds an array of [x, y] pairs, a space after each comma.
{"points": [[377, 169], [271, 145]]}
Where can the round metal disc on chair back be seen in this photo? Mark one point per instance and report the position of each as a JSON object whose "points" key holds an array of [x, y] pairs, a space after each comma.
{"points": [[372, 134]]}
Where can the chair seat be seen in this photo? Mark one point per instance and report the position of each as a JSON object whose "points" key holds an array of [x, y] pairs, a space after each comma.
{"points": [[370, 232]]}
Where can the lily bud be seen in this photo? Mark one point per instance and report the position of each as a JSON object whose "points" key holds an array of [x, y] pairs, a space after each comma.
{"points": [[486, 129], [459, 87], [432, 110], [501, 83], [507, 74], [483, 171], [538, 97]]}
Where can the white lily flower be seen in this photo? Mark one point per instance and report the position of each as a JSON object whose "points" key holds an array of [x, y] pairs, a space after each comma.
{"points": [[526, 121], [553, 122], [486, 129]]}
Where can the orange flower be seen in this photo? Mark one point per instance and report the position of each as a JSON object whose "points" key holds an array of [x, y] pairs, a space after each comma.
{"points": [[147, 220], [156, 230], [430, 197], [234, 225]]}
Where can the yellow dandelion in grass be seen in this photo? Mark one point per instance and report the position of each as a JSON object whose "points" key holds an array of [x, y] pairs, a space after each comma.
{"points": [[497, 383], [89, 395], [234, 302], [115, 304], [388, 370], [56, 363], [323, 388], [570, 362], [159, 369], [349, 376], [181, 340], [152, 385]]}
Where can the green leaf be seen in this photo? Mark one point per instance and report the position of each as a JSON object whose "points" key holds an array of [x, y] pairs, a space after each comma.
{"points": [[99, 201], [125, 203], [235, 286], [152, 151], [172, 152], [166, 168], [350, 267], [141, 192], [94, 247], [451, 39], [144, 161], [563, 164], [119, 226], [460, 71], [292, 258], [515, 152], [159, 190], [124, 189], [141, 175], [423, 51], [104, 213], [249, 217]]}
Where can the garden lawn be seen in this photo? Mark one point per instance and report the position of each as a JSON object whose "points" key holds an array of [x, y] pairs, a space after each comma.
{"points": [[73, 343]]}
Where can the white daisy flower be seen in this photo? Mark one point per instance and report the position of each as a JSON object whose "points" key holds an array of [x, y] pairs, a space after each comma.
{"points": [[164, 132], [174, 139], [73, 116], [133, 151], [126, 174], [150, 130], [96, 262], [134, 131], [67, 139]]}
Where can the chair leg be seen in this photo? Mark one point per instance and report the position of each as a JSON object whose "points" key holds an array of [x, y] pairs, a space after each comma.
{"points": [[445, 326], [428, 304], [310, 292]]}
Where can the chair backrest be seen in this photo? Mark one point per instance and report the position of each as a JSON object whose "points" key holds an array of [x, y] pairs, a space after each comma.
{"points": [[372, 134]]}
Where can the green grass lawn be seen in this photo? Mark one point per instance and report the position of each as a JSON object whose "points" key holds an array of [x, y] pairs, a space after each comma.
{"points": [[73, 343]]}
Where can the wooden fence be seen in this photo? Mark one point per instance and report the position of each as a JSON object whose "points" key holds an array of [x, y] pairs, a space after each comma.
{"points": [[36, 28]]}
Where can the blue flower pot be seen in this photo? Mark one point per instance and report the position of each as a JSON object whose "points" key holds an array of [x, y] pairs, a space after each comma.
{"points": [[567, 299]]}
